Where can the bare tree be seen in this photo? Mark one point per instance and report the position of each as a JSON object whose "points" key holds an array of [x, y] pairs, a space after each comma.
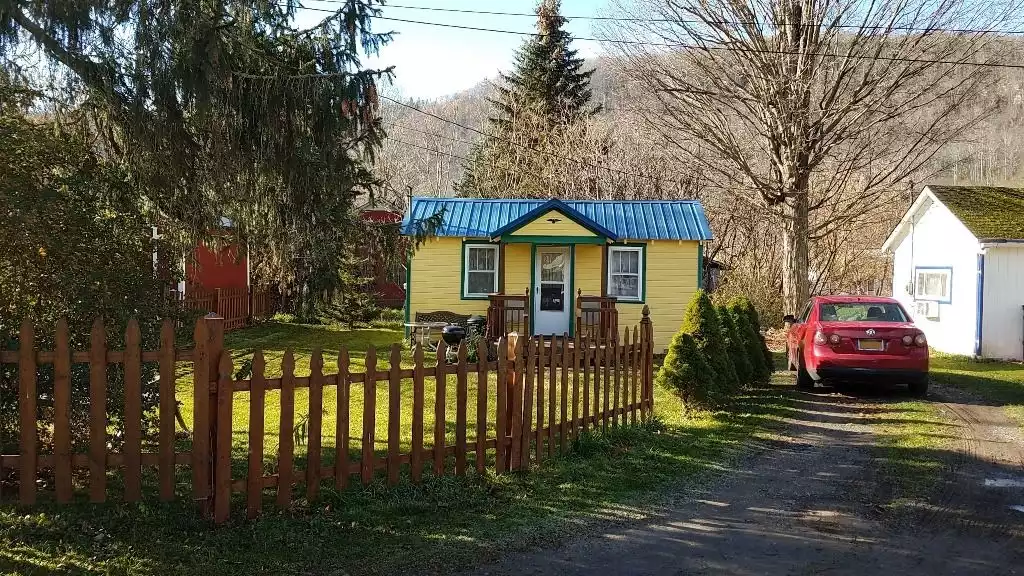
{"points": [[814, 112]]}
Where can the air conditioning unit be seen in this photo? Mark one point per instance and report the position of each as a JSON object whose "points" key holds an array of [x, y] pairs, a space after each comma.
{"points": [[926, 309]]}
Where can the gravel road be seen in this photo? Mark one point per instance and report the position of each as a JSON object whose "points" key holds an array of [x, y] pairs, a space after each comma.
{"points": [[808, 502]]}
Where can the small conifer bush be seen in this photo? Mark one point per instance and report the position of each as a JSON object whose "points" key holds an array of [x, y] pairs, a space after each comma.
{"points": [[747, 306], [701, 321], [736, 344], [759, 370], [686, 372]]}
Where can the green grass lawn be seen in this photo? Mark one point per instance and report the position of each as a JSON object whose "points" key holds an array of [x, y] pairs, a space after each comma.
{"points": [[444, 523], [911, 453], [998, 382]]}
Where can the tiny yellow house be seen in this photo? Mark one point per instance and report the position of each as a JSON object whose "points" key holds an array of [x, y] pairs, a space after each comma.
{"points": [[566, 262]]}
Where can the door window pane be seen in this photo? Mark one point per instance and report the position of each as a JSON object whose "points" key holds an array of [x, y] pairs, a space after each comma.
{"points": [[552, 267], [552, 297]]}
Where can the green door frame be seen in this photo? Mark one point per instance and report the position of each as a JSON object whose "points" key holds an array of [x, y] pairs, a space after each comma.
{"points": [[572, 284]]}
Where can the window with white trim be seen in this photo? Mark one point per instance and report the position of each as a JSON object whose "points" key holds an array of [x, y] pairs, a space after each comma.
{"points": [[480, 269], [933, 284], [626, 272]]}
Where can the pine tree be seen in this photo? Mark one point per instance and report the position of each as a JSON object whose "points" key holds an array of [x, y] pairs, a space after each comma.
{"points": [[748, 308], [546, 91], [735, 343], [687, 372], [701, 321], [548, 78], [220, 109], [760, 370]]}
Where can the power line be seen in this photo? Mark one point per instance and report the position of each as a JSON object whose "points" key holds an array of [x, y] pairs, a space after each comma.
{"points": [[682, 21], [428, 133], [527, 147], [453, 155], [682, 46]]}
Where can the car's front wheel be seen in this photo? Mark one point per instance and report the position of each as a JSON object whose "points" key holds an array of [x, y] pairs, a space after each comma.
{"points": [[919, 387]]}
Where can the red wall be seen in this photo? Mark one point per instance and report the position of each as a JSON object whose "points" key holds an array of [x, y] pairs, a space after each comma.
{"points": [[223, 269], [388, 291]]}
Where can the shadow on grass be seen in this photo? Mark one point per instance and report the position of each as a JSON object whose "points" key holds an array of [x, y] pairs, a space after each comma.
{"points": [[445, 522], [450, 522], [303, 339]]}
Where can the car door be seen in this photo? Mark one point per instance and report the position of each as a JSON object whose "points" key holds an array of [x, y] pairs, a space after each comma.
{"points": [[796, 335]]}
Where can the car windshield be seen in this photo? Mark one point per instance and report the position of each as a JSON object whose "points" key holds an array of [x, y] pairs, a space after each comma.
{"points": [[861, 312]]}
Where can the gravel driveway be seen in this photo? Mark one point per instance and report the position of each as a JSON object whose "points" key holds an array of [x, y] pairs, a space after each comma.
{"points": [[806, 503]]}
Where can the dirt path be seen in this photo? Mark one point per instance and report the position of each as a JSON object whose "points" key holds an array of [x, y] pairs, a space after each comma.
{"points": [[809, 504]]}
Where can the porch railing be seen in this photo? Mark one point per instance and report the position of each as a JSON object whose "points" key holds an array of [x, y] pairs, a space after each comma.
{"points": [[508, 313], [596, 316]]}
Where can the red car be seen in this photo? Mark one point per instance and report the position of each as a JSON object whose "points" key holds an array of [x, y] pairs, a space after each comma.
{"points": [[856, 338]]}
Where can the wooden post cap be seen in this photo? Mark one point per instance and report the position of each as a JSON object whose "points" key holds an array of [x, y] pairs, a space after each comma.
{"points": [[512, 341]]}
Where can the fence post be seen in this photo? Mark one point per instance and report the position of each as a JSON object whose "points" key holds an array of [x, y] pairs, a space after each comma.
{"points": [[249, 305], [209, 340], [647, 334]]}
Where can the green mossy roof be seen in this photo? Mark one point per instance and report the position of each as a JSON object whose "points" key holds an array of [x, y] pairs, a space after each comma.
{"points": [[989, 212]]}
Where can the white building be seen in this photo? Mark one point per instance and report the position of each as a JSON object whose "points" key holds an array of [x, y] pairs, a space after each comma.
{"points": [[958, 268]]}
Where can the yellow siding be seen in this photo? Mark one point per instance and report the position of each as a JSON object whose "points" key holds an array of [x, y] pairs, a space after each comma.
{"points": [[517, 268], [588, 269], [564, 227], [437, 280], [671, 282]]}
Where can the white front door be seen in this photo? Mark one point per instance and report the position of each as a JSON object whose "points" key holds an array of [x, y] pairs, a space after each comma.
{"points": [[551, 292]]}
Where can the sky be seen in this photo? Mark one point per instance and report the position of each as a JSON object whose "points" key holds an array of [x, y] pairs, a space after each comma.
{"points": [[432, 61]]}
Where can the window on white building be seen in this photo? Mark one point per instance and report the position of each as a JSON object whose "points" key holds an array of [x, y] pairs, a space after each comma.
{"points": [[933, 284]]}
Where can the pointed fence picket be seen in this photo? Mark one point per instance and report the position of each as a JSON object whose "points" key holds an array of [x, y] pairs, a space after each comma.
{"points": [[525, 397]]}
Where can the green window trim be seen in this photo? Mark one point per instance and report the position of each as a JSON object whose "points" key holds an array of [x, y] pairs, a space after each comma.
{"points": [[642, 246], [463, 285], [408, 293], [700, 265]]}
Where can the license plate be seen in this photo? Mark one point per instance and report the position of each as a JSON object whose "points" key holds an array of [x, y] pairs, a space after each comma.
{"points": [[874, 345]]}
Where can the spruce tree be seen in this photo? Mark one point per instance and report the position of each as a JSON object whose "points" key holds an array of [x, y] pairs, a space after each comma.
{"points": [[687, 372], [701, 321], [547, 90], [755, 320], [223, 108], [735, 343], [760, 370], [548, 77]]}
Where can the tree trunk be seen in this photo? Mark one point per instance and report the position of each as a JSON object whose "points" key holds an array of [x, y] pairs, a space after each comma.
{"points": [[795, 252]]}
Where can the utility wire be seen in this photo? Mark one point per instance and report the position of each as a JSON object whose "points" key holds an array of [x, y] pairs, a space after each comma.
{"points": [[525, 146], [709, 48], [404, 143], [428, 133], [761, 23]]}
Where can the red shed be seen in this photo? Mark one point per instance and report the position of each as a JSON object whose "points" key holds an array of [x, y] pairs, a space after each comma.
{"points": [[212, 268], [388, 280]]}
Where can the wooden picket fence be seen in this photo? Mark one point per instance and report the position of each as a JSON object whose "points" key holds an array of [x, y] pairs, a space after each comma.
{"points": [[239, 307], [545, 392]]}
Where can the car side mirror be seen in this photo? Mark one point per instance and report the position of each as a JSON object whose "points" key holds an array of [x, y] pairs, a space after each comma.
{"points": [[789, 319]]}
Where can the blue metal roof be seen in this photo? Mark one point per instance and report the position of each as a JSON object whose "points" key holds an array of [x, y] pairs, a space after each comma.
{"points": [[625, 219], [561, 207]]}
